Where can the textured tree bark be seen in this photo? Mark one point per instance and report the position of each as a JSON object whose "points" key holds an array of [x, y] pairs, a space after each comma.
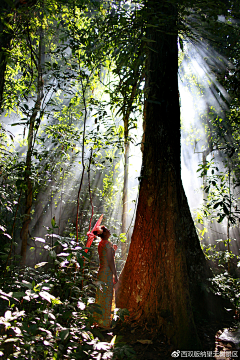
{"points": [[162, 278]]}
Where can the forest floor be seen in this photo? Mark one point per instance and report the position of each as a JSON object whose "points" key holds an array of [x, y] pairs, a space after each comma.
{"points": [[149, 345]]}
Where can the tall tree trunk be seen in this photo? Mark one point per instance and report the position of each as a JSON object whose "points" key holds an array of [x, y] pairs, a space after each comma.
{"points": [[125, 195], [162, 278], [33, 126]]}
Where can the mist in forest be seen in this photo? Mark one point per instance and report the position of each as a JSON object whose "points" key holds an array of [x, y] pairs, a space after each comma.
{"points": [[199, 91]]}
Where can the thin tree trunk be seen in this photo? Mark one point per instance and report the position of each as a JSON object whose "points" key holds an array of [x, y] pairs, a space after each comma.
{"points": [[207, 151], [3, 64], [228, 220], [125, 198], [61, 201], [161, 283], [28, 167], [83, 150], [126, 165]]}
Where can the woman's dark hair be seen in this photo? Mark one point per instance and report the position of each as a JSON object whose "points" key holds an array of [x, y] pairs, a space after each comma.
{"points": [[100, 235]]}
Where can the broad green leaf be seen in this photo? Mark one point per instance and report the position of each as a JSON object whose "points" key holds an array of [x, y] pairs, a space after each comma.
{"points": [[40, 264], [46, 296], [18, 295], [64, 334], [27, 284]]}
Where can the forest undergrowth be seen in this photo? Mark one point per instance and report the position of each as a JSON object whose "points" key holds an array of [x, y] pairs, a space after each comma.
{"points": [[46, 311]]}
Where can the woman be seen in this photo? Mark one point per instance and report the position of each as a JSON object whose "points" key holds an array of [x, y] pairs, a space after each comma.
{"points": [[108, 276]]}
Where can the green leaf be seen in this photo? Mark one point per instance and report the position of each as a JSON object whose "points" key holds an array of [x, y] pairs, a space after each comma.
{"points": [[11, 340], [40, 264], [18, 295], [181, 43], [122, 312], [27, 284], [53, 222], [18, 183], [94, 308], [225, 209], [217, 204], [123, 237], [80, 260], [64, 334], [69, 257], [221, 217], [46, 296]]}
